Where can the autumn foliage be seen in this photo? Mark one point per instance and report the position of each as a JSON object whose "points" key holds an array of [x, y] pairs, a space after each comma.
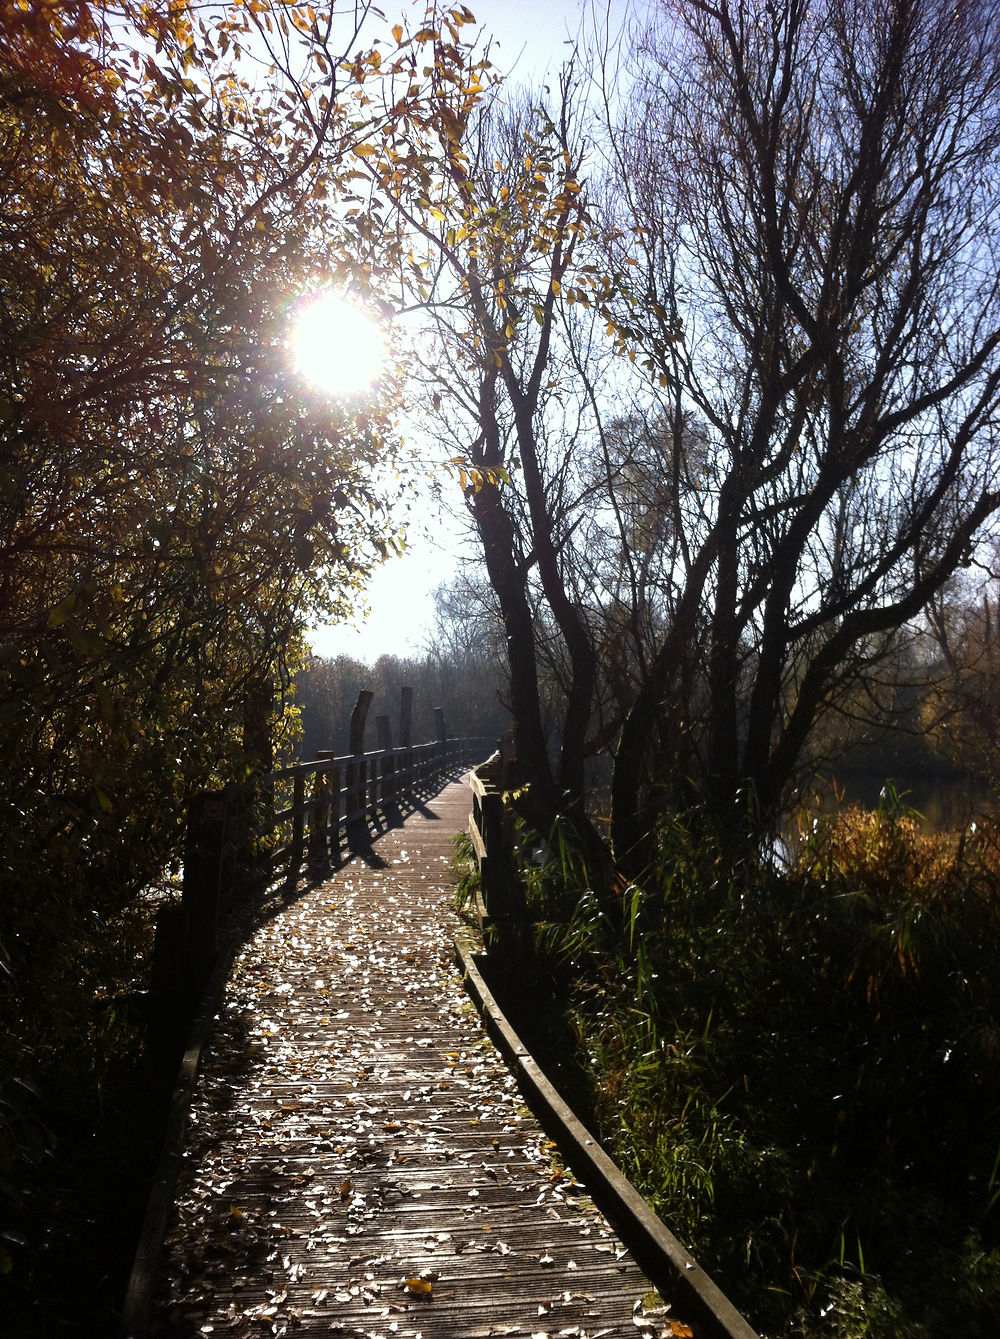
{"points": [[800, 1069], [174, 505]]}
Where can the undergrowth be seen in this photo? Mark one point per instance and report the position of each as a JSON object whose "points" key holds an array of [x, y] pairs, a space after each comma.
{"points": [[466, 874], [800, 1070], [82, 1106]]}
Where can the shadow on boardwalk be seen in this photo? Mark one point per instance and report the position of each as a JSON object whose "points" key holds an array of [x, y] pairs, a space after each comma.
{"points": [[359, 1161]]}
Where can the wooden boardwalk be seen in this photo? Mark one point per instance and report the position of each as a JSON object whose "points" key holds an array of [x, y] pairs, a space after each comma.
{"points": [[359, 1161]]}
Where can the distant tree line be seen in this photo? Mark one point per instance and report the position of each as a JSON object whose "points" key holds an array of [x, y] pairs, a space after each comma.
{"points": [[462, 671]]}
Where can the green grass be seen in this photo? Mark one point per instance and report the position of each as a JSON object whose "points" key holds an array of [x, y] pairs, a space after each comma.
{"points": [[466, 875], [802, 1072]]}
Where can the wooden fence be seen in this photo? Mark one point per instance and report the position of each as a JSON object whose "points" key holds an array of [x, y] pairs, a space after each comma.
{"points": [[321, 801], [254, 834], [491, 831]]}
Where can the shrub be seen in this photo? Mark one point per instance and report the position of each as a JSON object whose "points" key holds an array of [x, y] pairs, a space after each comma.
{"points": [[801, 1070]]}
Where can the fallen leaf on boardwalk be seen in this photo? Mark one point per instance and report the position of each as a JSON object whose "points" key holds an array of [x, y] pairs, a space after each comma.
{"points": [[680, 1331], [648, 1307], [299, 1091]]}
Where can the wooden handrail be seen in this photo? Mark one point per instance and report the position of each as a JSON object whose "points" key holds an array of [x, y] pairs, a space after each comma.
{"points": [[487, 832], [353, 788], [295, 813], [255, 829]]}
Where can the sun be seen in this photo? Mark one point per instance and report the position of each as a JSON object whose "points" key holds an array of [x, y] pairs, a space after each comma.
{"points": [[336, 346]]}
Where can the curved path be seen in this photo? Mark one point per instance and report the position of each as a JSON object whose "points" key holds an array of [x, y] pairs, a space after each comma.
{"points": [[359, 1160]]}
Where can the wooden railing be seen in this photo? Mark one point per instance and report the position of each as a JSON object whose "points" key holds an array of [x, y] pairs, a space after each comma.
{"points": [[321, 800], [252, 835], [490, 834]]}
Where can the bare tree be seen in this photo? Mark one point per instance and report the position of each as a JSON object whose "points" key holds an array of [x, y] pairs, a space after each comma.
{"points": [[807, 196], [962, 708], [708, 539], [512, 219]]}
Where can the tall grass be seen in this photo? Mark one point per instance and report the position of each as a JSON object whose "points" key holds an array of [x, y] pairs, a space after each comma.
{"points": [[801, 1069]]}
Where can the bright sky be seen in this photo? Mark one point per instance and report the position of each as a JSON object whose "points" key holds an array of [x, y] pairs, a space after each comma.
{"points": [[530, 36]]}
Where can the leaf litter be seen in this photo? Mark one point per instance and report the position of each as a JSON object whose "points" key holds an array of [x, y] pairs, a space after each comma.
{"points": [[356, 1145]]}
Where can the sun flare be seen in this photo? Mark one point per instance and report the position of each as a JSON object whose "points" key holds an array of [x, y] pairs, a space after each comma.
{"points": [[336, 346]]}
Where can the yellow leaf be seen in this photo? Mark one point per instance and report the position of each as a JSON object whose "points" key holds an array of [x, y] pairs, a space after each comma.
{"points": [[397, 33], [418, 1287], [62, 611], [365, 150]]}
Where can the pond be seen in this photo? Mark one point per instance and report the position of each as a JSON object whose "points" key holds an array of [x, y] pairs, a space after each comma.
{"points": [[945, 803]]}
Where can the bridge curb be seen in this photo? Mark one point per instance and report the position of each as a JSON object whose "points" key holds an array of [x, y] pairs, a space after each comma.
{"points": [[669, 1266]]}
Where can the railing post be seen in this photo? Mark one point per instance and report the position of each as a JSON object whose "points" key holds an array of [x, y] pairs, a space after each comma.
{"points": [[202, 887], [441, 735], [502, 895], [406, 718], [387, 763], [318, 819], [497, 884], [374, 784], [298, 818], [351, 791], [358, 717], [333, 811], [357, 784]]}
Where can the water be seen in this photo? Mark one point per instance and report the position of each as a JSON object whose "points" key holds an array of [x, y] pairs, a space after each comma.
{"points": [[945, 803]]}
